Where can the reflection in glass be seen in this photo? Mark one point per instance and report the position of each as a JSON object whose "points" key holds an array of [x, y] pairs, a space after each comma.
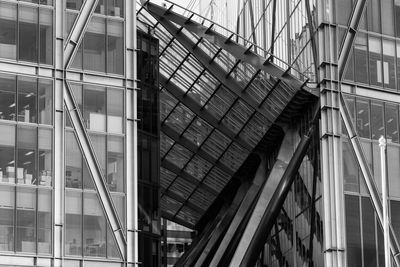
{"points": [[377, 128], [7, 204], [94, 227], [7, 147], [26, 154], [8, 30], [7, 97], [44, 220], [45, 110], [73, 162], [115, 46], [392, 121], [94, 56], [27, 97], [45, 157], [95, 108], [46, 36], [115, 110], [115, 163], [363, 124], [26, 220], [73, 223], [353, 231], [28, 36]]}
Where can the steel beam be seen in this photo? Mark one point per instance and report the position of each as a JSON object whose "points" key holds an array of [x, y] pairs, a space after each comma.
{"points": [[95, 171], [78, 30], [183, 201], [244, 208], [194, 149], [201, 112], [271, 204], [237, 50]]}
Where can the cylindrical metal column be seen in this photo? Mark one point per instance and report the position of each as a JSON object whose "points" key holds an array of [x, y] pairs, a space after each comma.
{"points": [[382, 145]]}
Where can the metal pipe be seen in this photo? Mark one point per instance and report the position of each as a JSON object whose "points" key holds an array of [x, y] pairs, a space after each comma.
{"points": [[278, 198], [382, 145]]}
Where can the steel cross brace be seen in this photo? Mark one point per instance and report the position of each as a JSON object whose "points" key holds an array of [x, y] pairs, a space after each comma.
{"points": [[70, 48], [352, 133]]}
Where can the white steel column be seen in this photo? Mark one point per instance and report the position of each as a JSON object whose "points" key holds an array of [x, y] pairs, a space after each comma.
{"points": [[131, 136], [59, 197], [386, 240]]}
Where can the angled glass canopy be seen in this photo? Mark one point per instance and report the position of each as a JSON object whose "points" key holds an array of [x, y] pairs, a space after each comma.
{"points": [[218, 100]]}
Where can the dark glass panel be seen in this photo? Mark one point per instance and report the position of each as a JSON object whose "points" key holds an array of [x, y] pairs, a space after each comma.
{"points": [[8, 30], [26, 220], [74, 4], [44, 222], [7, 204], [368, 224], [7, 148], [7, 97], [46, 36], [73, 223], [361, 58], [350, 169], [94, 57], [28, 33], [353, 233]]}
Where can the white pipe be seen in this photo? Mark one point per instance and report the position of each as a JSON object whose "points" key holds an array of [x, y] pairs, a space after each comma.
{"points": [[382, 145]]}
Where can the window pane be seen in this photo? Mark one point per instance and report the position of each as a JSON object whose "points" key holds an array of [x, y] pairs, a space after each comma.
{"points": [[45, 101], [397, 16], [115, 8], [94, 227], [95, 108], [7, 148], [389, 74], [368, 222], [26, 155], [392, 120], [115, 110], [7, 203], [28, 39], [99, 146], [375, 61], [377, 128], [115, 163], [350, 169], [45, 157], [26, 218], [100, 9], [94, 45], [373, 9], [361, 58], [73, 223], [377, 165], [353, 231], [73, 162], [393, 154], [27, 93], [363, 124], [387, 17], [74, 4], [8, 30], [46, 36], [7, 97], [115, 43], [44, 227]]}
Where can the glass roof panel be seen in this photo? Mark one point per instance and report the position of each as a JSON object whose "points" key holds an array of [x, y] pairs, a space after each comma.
{"points": [[216, 179], [204, 87], [220, 102], [255, 129], [165, 144], [198, 167], [179, 155], [180, 118], [169, 205], [237, 116], [202, 198], [167, 103], [188, 215], [234, 156], [198, 131], [182, 188], [216, 144], [167, 178]]}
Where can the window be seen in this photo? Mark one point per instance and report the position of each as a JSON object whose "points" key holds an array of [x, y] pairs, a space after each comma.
{"points": [[27, 93], [28, 37], [46, 36], [110, 8], [94, 46], [387, 17], [44, 222], [7, 96], [374, 20], [115, 46], [73, 223], [115, 110], [389, 73], [115, 163], [375, 61], [397, 16], [7, 204], [73, 162], [26, 220], [7, 159], [353, 231], [393, 154], [8, 30], [392, 121], [94, 108], [45, 157], [377, 126], [363, 124], [74, 4], [26, 172], [45, 95], [368, 226], [361, 58]]}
